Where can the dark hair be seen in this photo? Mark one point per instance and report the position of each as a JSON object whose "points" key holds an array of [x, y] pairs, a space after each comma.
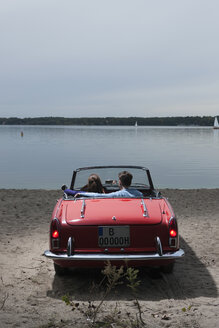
{"points": [[94, 184], [126, 178]]}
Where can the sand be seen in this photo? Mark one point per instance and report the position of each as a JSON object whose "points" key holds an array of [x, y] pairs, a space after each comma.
{"points": [[31, 294]]}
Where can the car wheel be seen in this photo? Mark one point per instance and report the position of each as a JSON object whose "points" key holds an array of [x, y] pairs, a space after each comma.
{"points": [[167, 268], [60, 271]]}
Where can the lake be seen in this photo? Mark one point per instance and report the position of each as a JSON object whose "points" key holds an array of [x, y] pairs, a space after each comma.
{"points": [[45, 156]]}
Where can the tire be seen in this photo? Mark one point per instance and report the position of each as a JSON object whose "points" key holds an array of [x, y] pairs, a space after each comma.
{"points": [[167, 268], [60, 271]]}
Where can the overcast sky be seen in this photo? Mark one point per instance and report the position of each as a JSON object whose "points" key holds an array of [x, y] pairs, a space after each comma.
{"points": [[77, 58]]}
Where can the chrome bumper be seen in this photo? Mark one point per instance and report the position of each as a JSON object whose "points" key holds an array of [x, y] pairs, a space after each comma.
{"points": [[115, 257]]}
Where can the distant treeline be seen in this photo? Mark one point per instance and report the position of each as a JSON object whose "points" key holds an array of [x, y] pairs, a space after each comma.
{"points": [[141, 121]]}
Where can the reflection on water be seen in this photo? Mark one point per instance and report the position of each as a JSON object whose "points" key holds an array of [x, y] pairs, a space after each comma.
{"points": [[45, 156]]}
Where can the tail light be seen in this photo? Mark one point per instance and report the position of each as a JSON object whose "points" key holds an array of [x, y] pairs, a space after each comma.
{"points": [[173, 232], [55, 234]]}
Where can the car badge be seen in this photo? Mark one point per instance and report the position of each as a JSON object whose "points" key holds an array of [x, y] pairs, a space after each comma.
{"points": [[114, 218]]}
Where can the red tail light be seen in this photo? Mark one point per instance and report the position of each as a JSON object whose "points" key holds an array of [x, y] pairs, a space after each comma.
{"points": [[55, 234], [173, 227], [173, 232]]}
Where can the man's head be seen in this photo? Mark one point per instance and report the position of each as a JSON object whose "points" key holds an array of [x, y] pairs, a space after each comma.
{"points": [[125, 178]]}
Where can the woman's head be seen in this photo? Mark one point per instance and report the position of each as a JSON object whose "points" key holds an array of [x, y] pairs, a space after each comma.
{"points": [[94, 184]]}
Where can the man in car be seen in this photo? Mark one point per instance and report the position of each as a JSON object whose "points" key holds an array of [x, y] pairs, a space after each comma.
{"points": [[125, 180]]}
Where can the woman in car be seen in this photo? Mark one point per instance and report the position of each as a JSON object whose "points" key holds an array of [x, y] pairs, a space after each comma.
{"points": [[94, 184]]}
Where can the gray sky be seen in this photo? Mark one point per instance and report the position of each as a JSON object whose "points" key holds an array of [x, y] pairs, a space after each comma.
{"points": [[109, 58]]}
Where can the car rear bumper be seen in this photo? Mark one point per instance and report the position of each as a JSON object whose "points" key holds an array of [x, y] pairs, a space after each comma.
{"points": [[115, 257]]}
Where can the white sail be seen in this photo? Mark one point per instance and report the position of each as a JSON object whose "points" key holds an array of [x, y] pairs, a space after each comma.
{"points": [[136, 124], [216, 125]]}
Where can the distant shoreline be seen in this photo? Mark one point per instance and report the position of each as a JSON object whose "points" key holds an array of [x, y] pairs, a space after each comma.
{"points": [[112, 121]]}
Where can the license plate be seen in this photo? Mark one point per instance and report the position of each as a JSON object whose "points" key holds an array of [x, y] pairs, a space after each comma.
{"points": [[113, 236]]}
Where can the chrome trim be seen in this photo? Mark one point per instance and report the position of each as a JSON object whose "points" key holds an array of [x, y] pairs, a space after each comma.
{"points": [[171, 219], [145, 214], [158, 194], [115, 257], [159, 246], [60, 201], [83, 209], [170, 207], [69, 246]]}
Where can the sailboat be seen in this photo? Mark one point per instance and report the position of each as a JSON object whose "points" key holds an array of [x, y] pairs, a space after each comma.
{"points": [[216, 125], [136, 124]]}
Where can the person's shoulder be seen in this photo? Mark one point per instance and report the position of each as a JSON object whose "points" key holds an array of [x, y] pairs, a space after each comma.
{"points": [[139, 192], [135, 192]]}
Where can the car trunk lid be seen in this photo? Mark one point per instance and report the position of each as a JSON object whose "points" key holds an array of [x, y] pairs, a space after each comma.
{"points": [[113, 211]]}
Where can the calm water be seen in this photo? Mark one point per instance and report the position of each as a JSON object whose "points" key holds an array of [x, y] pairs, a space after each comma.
{"points": [[45, 156]]}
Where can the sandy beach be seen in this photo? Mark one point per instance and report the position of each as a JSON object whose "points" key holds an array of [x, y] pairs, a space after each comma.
{"points": [[31, 293]]}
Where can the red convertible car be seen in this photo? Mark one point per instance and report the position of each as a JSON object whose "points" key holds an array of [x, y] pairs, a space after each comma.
{"points": [[139, 230]]}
